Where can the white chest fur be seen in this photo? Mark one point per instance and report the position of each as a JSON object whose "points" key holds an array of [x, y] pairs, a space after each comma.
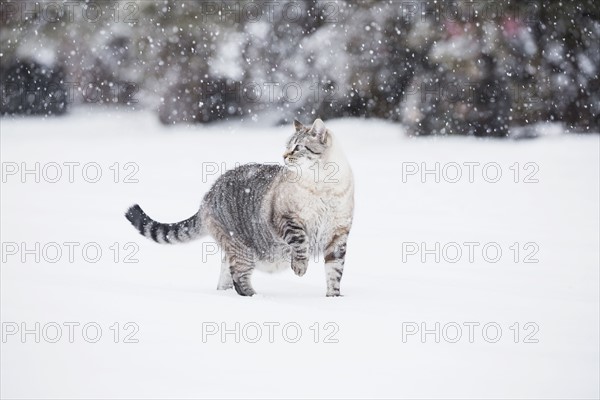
{"points": [[323, 199]]}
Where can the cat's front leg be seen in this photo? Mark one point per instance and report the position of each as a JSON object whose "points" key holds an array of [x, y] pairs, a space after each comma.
{"points": [[335, 256], [295, 236]]}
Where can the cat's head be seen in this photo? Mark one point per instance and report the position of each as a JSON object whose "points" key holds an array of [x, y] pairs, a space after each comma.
{"points": [[308, 144]]}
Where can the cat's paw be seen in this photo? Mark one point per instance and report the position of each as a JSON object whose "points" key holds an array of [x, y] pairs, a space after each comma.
{"points": [[299, 267], [243, 290]]}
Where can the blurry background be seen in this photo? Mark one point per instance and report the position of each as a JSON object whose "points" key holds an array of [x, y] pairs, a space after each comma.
{"points": [[442, 68]]}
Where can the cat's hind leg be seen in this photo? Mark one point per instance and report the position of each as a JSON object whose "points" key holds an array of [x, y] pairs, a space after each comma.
{"points": [[241, 264], [240, 260], [225, 279]]}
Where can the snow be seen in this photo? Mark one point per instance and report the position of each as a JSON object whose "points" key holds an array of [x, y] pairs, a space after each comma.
{"points": [[170, 293], [226, 65]]}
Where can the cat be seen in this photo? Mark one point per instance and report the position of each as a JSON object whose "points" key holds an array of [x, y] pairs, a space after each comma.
{"points": [[273, 217]]}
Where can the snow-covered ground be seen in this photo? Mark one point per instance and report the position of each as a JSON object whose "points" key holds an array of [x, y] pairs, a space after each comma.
{"points": [[388, 291]]}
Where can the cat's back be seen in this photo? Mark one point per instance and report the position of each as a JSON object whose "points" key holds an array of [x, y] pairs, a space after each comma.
{"points": [[246, 182], [236, 199]]}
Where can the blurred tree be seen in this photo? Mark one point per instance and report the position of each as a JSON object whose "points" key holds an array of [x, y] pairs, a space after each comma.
{"points": [[441, 67]]}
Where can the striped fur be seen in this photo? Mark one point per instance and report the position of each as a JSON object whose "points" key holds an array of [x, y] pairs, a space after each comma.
{"points": [[273, 217], [179, 232]]}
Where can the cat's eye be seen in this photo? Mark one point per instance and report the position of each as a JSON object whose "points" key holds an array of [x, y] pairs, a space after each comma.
{"points": [[297, 148]]}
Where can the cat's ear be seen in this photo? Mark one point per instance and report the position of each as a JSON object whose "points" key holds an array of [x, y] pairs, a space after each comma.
{"points": [[298, 125], [318, 129]]}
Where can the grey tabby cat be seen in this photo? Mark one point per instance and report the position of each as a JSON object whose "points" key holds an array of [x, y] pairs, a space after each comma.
{"points": [[271, 217]]}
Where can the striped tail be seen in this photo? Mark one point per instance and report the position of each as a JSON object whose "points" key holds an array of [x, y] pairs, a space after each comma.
{"points": [[179, 232]]}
